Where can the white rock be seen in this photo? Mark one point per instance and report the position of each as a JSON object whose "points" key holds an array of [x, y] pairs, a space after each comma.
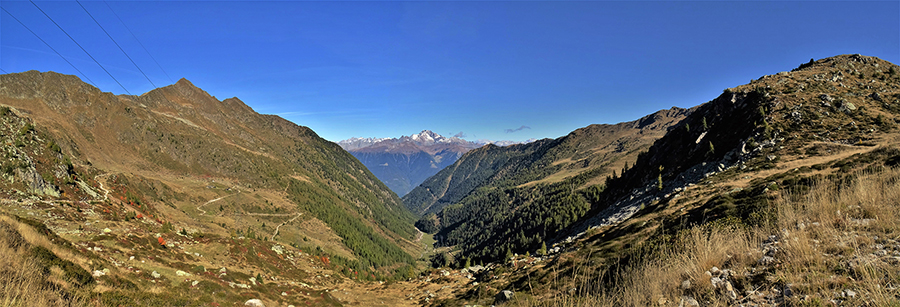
{"points": [[155, 274], [254, 303], [278, 249], [689, 301], [182, 273], [194, 284], [107, 230], [98, 273]]}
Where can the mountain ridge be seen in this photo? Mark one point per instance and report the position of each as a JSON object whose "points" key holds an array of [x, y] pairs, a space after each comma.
{"points": [[181, 131], [404, 162]]}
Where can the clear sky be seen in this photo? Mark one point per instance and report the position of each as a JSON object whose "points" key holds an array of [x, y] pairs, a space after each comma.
{"points": [[510, 70]]}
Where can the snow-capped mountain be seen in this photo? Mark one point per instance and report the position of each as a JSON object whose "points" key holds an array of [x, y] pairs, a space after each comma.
{"points": [[405, 162], [356, 142], [503, 143]]}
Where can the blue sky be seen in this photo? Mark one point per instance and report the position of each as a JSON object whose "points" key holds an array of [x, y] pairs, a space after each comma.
{"points": [[485, 68]]}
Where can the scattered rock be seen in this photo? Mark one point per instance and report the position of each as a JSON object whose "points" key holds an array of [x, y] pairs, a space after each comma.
{"points": [[182, 273], [688, 301], [254, 303], [107, 230], [98, 273], [849, 293], [766, 260], [504, 296], [845, 106], [686, 284], [155, 274], [278, 249]]}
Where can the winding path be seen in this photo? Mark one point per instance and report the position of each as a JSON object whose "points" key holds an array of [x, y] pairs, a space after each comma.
{"points": [[215, 200], [105, 191], [282, 224], [419, 235]]}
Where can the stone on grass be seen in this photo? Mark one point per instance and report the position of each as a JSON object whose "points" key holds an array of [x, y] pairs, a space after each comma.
{"points": [[504, 296], [254, 303]]}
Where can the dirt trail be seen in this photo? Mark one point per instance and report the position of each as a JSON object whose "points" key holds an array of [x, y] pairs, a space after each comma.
{"points": [[105, 191], [217, 199], [282, 224], [782, 167]]}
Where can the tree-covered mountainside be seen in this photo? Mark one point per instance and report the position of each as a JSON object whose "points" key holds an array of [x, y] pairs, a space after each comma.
{"points": [[499, 200], [180, 131], [402, 171]]}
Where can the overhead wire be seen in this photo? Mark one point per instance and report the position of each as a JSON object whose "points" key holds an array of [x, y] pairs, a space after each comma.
{"points": [[139, 41], [79, 46], [142, 46], [116, 43], [48, 46]]}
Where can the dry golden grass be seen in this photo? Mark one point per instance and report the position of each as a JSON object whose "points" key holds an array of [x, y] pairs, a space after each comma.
{"points": [[24, 281], [835, 238], [830, 239]]}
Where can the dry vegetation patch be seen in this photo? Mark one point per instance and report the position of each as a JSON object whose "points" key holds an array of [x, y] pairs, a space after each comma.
{"points": [[836, 244]]}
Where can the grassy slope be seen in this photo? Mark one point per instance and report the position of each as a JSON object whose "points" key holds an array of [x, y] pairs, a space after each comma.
{"points": [[798, 143], [179, 132]]}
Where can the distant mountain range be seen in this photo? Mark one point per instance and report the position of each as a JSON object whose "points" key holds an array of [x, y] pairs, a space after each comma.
{"points": [[405, 162]]}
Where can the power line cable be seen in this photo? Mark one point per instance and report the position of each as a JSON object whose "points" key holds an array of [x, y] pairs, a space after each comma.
{"points": [[147, 51], [4, 71], [79, 46], [123, 50], [51, 48], [139, 41], [114, 42]]}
